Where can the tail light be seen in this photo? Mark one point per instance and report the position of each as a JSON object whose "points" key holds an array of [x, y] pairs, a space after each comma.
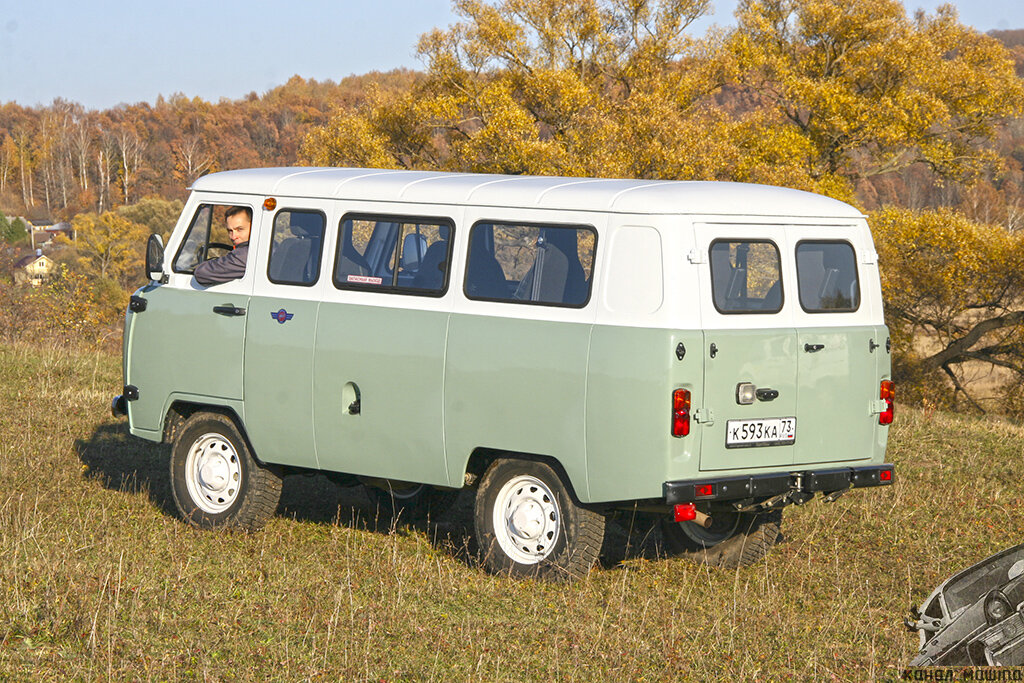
{"points": [[887, 392], [680, 412]]}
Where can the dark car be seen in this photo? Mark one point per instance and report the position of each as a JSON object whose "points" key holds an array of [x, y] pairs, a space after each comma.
{"points": [[975, 617]]}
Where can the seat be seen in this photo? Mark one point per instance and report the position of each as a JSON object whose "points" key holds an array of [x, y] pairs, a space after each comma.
{"points": [[556, 275], [484, 277]]}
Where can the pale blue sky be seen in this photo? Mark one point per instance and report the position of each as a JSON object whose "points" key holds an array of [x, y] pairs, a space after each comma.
{"points": [[105, 52]]}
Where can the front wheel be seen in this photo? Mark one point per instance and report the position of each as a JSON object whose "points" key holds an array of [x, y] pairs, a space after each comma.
{"points": [[215, 480], [527, 523], [735, 539]]}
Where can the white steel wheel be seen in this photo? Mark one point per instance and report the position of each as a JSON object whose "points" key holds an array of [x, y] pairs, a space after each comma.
{"points": [[213, 473], [528, 523], [215, 481], [526, 519]]}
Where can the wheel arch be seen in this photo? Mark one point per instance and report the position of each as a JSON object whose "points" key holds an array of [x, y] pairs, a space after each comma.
{"points": [[482, 457]]}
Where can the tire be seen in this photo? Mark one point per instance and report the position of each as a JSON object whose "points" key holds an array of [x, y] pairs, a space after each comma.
{"points": [[415, 502], [527, 523], [215, 480], [735, 539]]}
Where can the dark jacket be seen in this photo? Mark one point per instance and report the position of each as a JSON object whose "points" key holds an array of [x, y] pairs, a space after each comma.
{"points": [[230, 266]]}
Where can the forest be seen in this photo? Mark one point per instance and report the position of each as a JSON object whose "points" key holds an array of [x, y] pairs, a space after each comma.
{"points": [[916, 119]]}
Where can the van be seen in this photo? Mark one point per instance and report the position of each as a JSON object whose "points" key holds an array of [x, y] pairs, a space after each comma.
{"points": [[565, 347]]}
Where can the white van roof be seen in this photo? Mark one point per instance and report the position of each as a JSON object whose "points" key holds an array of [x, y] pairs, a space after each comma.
{"points": [[586, 194]]}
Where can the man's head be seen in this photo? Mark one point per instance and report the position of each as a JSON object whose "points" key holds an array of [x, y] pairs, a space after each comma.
{"points": [[238, 220]]}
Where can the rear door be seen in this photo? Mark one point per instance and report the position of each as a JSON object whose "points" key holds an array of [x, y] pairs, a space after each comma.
{"points": [[838, 346], [748, 415]]}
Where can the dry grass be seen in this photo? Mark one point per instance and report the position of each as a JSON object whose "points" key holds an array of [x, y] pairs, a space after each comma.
{"points": [[99, 581]]}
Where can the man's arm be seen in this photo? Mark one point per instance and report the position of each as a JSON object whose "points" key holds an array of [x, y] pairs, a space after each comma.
{"points": [[230, 266]]}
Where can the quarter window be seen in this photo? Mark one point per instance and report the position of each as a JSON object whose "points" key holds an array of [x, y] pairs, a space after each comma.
{"points": [[394, 253], [541, 264], [827, 277], [745, 276], [295, 247]]}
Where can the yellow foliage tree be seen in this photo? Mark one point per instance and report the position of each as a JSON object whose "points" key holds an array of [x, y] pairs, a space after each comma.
{"points": [[869, 91], [110, 245], [953, 290]]}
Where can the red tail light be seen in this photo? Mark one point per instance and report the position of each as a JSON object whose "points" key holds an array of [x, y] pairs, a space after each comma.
{"points": [[887, 392], [680, 412], [684, 512]]}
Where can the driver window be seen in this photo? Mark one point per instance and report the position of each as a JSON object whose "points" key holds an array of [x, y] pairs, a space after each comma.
{"points": [[207, 238]]}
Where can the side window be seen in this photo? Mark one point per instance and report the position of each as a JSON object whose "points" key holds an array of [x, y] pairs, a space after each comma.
{"points": [[394, 253], [295, 247], [745, 276], [539, 264], [827, 277], [207, 238]]}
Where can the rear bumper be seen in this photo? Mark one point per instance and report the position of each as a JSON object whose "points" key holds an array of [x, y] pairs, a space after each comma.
{"points": [[767, 485]]}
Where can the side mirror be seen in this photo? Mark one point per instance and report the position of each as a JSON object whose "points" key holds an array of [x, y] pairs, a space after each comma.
{"points": [[155, 258]]}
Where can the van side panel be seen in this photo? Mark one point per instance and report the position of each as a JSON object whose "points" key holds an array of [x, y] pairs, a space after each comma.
{"points": [[630, 450], [395, 358], [518, 385]]}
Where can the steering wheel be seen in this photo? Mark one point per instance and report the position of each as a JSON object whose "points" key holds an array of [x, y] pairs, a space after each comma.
{"points": [[216, 245]]}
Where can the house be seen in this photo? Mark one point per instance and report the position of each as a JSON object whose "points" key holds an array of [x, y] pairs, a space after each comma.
{"points": [[33, 269]]}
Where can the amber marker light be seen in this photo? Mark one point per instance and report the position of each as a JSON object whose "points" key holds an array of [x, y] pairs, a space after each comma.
{"points": [[269, 204]]}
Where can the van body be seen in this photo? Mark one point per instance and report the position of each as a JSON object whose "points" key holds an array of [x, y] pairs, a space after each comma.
{"points": [[709, 350]]}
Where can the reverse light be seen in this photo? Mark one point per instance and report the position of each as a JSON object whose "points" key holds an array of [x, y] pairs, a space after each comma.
{"points": [[684, 512], [887, 393], [680, 412], [745, 393]]}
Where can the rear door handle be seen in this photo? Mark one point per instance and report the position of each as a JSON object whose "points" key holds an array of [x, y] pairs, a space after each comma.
{"points": [[811, 348], [228, 309]]}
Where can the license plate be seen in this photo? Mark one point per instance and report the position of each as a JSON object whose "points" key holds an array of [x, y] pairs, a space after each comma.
{"points": [[771, 431]]}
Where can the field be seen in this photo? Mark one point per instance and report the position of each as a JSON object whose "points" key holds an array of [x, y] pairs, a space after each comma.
{"points": [[101, 581]]}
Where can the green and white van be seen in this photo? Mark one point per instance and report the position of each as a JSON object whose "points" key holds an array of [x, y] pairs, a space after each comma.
{"points": [[566, 347]]}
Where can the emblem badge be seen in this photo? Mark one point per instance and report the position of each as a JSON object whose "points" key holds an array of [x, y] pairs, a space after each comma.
{"points": [[282, 316]]}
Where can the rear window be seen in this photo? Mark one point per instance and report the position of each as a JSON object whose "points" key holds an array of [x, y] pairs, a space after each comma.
{"points": [[745, 276], [827, 277], [538, 264], [394, 254]]}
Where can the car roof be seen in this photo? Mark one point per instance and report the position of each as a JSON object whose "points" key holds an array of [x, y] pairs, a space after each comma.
{"points": [[586, 194]]}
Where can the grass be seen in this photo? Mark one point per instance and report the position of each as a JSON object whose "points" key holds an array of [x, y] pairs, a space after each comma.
{"points": [[101, 581]]}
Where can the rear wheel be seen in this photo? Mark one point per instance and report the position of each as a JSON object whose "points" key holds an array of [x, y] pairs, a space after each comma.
{"points": [[215, 480], [735, 539], [527, 523]]}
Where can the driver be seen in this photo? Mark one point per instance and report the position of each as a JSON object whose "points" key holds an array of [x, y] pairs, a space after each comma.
{"points": [[230, 266]]}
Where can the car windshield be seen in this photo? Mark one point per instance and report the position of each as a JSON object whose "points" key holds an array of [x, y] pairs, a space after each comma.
{"points": [[965, 589]]}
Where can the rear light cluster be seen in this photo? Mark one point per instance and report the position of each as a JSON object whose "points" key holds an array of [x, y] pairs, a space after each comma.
{"points": [[887, 393], [680, 412]]}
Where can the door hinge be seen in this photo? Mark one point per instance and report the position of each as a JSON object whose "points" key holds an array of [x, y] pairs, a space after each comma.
{"points": [[695, 256], [704, 416], [877, 407], [137, 304]]}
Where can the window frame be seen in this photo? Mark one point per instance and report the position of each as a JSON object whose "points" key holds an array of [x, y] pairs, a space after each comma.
{"points": [[184, 240], [530, 224], [320, 256], [401, 219], [781, 280], [856, 272]]}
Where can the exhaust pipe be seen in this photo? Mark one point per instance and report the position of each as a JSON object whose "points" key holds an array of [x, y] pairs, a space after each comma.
{"points": [[702, 520]]}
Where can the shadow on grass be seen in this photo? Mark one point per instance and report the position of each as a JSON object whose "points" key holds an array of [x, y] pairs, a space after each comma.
{"points": [[122, 462]]}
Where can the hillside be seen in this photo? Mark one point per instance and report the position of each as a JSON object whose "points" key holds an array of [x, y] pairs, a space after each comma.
{"points": [[100, 580]]}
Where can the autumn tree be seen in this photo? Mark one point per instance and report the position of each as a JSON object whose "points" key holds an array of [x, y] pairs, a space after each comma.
{"points": [[953, 290], [158, 215], [109, 245], [868, 91]]}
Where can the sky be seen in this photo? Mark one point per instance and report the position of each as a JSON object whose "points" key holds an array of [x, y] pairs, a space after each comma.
{"points": [[107, 52]]}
